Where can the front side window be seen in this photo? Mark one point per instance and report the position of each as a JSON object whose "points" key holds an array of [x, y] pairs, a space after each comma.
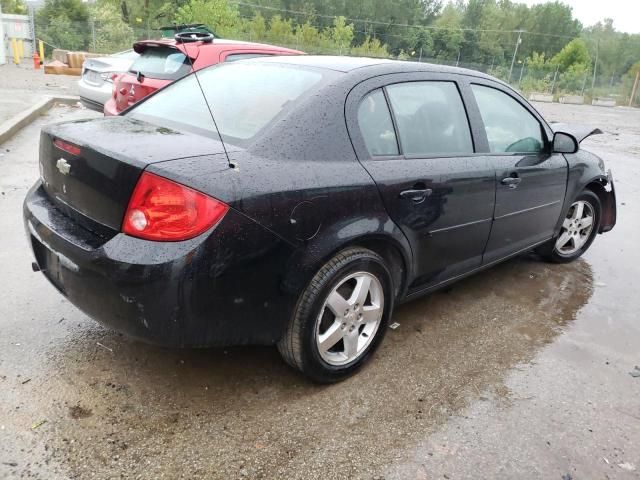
{"points": [[431, 118], [509, 126], [374, 120]]}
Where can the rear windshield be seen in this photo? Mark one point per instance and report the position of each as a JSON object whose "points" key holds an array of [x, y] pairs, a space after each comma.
{"points": [[245, 97], [164, 63]]}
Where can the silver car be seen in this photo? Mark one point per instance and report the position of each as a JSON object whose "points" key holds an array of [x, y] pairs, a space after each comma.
{"points": [[96, 83]]}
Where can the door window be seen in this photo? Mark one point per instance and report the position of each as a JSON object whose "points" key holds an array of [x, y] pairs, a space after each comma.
{"points": [[374, 120], [431, 118], [509, 126]]}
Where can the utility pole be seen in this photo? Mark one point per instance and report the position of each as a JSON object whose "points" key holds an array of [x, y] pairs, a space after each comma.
{"points": [[635, 87], [555, 75], [458, 59], [515, 52], [595, 67], [521, 72]]}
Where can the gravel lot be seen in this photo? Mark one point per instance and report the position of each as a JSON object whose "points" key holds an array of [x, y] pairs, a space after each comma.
{"points": [[518, 372]]}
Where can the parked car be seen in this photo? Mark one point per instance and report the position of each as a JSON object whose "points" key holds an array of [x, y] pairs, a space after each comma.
{"points": [[164, 61], [96, 82], [344, 186]]}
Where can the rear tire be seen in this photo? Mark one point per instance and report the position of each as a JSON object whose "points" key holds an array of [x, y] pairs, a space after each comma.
{"points": [[579, 228], [340, 318]]}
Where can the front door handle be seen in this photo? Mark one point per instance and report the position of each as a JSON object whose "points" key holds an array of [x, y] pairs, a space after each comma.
{"points": [[416, 195], [511, 182]]}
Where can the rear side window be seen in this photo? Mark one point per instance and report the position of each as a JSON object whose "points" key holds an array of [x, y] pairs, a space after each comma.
{"points": [[431, 118], [509, 126], [374, 120], [245, 98], [163, 63]]}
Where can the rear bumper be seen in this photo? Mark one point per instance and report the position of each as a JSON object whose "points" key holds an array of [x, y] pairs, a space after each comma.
{"points": [[94, 94], [92, 105], [210, 290]]}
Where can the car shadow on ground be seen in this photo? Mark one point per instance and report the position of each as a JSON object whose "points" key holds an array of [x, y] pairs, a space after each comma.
{"points": [[451, 347]]}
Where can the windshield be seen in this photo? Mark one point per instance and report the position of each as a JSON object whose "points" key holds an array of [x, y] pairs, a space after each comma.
{"points": [[163, 63], [245, 97]]}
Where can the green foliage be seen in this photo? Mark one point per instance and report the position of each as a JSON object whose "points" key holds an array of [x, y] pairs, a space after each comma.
{"points": [[575, 78], [112, 34], [370, 47], [573, 53], [447, 37], [479, 34], [16, 7], [218, 14], [64, 24], [341, 33]]}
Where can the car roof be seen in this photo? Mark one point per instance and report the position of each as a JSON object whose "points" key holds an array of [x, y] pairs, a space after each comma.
{"points": [[349, 64]]}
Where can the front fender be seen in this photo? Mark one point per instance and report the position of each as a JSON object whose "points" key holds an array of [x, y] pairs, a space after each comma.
{"points": [[587, 170]]}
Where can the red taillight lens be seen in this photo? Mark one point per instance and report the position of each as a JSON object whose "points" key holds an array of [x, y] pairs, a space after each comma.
{"points": [[67, 147], [163, 210]]}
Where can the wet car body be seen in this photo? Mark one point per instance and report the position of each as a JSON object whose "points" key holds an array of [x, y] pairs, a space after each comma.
{"points": [[298, 192]]}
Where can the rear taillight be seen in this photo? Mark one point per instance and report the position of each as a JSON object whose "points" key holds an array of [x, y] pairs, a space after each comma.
{"points": [[163, 210], [67, 147]]}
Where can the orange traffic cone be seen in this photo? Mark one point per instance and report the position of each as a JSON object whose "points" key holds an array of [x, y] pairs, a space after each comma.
{"points": [[36, 61]]}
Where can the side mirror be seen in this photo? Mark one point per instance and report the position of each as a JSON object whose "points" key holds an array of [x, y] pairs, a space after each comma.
{"points": [[564, 143]]}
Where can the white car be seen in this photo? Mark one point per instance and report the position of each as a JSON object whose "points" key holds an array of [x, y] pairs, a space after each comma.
{"points": [[96, 83]]}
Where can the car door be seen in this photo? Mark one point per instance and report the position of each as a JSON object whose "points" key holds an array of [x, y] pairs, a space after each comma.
{"points": [[530, 180], [412, 134]]}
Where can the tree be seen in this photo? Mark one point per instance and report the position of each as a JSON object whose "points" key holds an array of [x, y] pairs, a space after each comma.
{"points": [[16, 7], [573, 53], [218, 14], [447, 37], [64, 24], [341, 33], [112, 34]]}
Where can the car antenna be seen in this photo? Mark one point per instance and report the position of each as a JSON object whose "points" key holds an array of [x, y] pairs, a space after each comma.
{"points": [[190, 37]]}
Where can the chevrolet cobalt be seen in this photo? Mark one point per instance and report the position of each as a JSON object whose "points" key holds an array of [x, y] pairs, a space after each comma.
{"points": [[296, 200]]}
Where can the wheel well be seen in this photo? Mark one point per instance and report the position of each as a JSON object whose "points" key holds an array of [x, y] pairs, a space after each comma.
{"points": [[598, 187], [392, 256]]}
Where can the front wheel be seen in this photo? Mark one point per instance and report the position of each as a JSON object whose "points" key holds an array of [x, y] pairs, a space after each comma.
{"points": [[578, 230], [341, 316]]}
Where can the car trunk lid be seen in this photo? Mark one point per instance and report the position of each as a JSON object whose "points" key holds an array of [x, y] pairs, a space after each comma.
{"points": [[96, 183]]}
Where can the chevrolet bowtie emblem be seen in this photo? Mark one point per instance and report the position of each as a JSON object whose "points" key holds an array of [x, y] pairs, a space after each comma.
{"points": [[63, 166]]}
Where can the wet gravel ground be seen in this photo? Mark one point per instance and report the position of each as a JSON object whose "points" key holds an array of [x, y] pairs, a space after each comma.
{"points": [[518, 372]]}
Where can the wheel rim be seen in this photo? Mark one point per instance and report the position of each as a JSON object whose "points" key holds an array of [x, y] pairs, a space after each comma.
{"points": [[349, 318], [576, 228]]}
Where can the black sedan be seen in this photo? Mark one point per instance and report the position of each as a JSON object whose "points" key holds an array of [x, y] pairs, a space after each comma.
{"points": [[303, 200]]}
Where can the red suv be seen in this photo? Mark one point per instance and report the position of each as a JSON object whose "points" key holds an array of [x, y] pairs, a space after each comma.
{"points": [[164, 61]]}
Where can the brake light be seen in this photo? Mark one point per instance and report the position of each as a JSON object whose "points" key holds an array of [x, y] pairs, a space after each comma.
{"points": [[67, 147], [162, 210]]}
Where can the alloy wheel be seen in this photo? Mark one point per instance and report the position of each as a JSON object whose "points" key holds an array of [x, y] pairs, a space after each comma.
{"points": [[576, 228], [349, 318]]}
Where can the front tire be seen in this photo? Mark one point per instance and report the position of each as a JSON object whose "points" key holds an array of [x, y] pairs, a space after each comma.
{"points": [[341, 317], [579, 228]]}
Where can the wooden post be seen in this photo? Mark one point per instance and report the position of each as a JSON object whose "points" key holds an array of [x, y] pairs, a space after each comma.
{"points": [[635, 87]]}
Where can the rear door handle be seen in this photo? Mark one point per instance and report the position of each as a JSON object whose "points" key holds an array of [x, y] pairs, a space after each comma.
{"points": [[511, 182], [416, 195]]}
